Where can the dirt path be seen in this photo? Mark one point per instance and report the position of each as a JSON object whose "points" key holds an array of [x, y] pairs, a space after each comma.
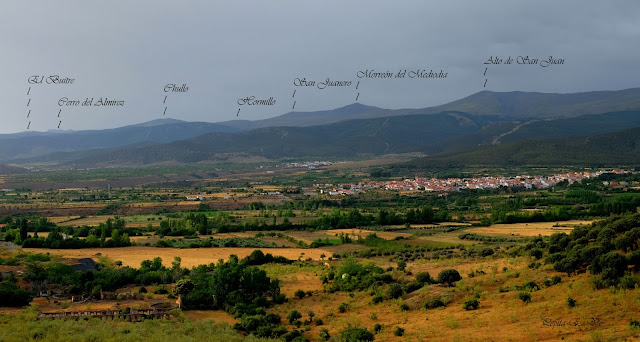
{"points": [[496, 140]]}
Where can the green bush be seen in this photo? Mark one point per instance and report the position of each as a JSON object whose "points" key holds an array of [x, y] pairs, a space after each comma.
{"points": [[398, 332], [377, 299], [293, 316], [487, 252], [343, 307], [628, 282], [571, 302], [424, 277], [413, 286], [434, 303], [402, 265], [449, 276], [394, 291], [12, 295], [324, 334], [356, 335], [525, 297], [471, 304], [536, 253]]}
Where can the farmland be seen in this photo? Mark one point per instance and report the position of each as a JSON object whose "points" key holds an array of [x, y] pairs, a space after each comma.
{"points": [[375, 260], [191, 257]]}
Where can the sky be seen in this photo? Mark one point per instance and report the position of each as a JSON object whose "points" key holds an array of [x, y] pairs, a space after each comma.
{"points": [[225, 51]]}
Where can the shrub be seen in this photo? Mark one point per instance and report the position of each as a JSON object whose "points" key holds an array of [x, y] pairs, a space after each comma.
{"points": [[531, 286], [571, 302], [434, 303], [142, 289], [535, 265], [300, 294], [424, 277], [343, 307], [402, 265], [293, 316], [471, 304], [324, 334], [449, 276], [357, 335], [376, 299], [413, 286], [612, 265], [377, 328], [634, 324], [161, 290], [404, 307], [294, 336], [536, 253], [634, 259], [525, 297], [279, 299], [487, 252], [395, 291], [398, 332], [12, 295], [627, 282], [319, 321]]}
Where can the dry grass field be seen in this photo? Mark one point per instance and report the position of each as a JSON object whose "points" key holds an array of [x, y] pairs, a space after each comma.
{"points": [[363, 233], [599, 316], [529, 229], [448, 237], [209, 315], [133, 256], [88, 221], [62, 220]]}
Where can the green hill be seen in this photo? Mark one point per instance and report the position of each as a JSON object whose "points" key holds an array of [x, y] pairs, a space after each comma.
{"points": [[519, 104], [343, 139], [617, 148]]}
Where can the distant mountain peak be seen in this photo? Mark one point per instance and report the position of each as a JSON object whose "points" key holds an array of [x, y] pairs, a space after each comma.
{"points": [[350, 108], [159, 122]]}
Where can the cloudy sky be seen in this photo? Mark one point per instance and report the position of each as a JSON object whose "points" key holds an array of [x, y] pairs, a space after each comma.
{"points": [[227, 50]]}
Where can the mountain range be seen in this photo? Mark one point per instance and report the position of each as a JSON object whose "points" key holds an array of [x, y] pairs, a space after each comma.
{"points": [[483, 125]]}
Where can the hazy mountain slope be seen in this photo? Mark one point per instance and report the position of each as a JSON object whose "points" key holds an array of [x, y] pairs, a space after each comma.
{"points": [[8, 169], [514, 105], [512, 116], [160, 131], [303, 119], [343, 139]]}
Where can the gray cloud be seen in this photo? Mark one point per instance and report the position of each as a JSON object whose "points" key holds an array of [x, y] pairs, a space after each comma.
{"points": [[232, 49]]}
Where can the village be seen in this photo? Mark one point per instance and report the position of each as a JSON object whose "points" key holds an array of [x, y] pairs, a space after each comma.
{"points": [[459, 184]]}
